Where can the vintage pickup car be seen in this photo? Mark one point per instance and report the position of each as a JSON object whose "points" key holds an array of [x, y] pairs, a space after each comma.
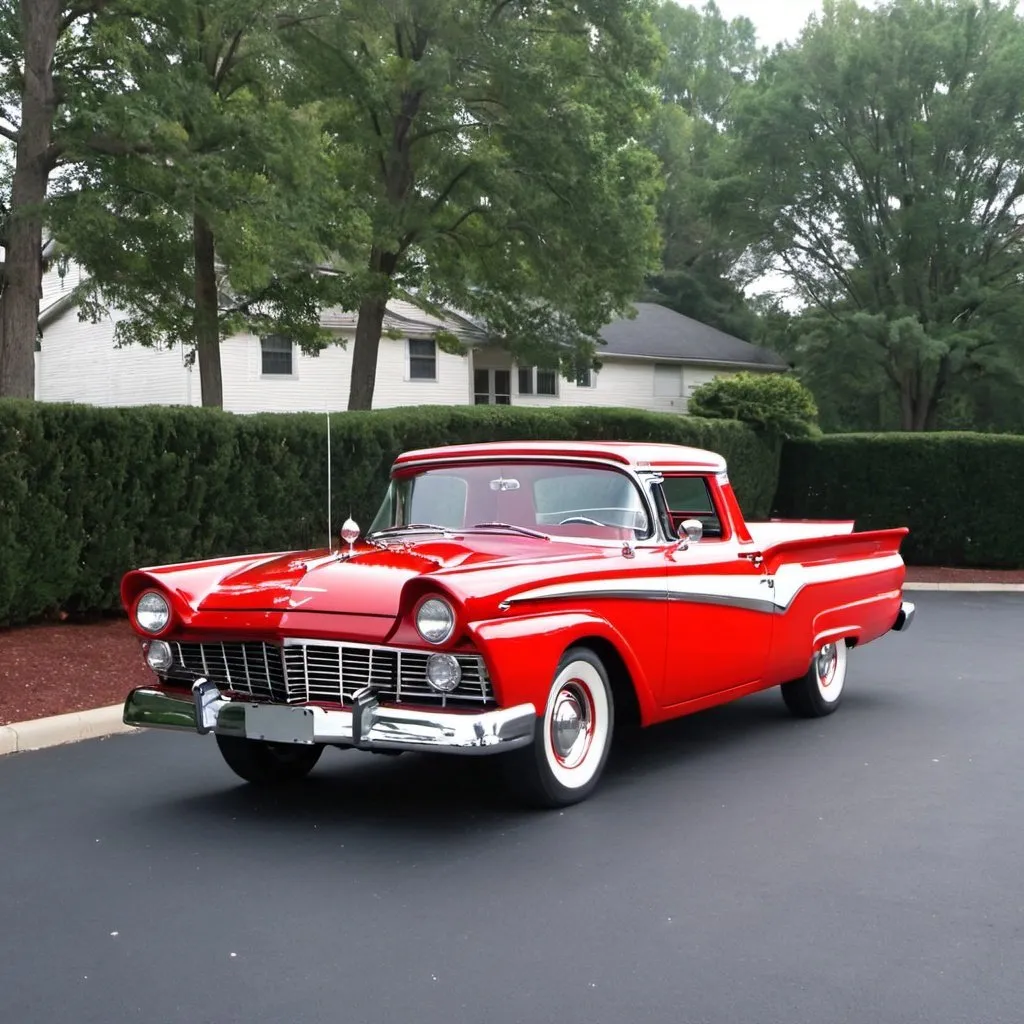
{"points": [[515, 599]]}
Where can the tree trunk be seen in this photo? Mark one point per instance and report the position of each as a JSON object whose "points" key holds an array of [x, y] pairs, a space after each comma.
{"points": [[207, 314], [364, 354], [19, 301], [368, 330]]}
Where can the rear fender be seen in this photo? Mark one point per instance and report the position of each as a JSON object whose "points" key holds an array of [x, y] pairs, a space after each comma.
{"points": [[832, 589], [523, 652], [834, 548]]}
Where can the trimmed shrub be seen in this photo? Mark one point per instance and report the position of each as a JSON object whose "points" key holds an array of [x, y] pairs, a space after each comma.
{"points": [[775, 403], [87, 493], [959, 493]]}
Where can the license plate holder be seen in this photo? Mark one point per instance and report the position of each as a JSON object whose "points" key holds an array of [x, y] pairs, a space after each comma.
{"points": [[276, 723]]}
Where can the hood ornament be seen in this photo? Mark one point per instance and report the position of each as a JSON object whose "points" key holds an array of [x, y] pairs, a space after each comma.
{"points": [[350, 534]]}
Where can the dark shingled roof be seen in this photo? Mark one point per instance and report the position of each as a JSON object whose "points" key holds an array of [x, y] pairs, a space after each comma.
{"points": [[658, 332]]}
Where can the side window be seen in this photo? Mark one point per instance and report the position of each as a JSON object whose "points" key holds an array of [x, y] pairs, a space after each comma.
{"points": [[689, 497]]}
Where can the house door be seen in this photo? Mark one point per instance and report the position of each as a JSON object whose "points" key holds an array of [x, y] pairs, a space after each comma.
{"points": [[492, 387]]}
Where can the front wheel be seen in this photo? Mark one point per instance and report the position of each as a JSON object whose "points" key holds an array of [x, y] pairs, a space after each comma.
{"points": [[268, 764], [820, 690], [573, 737]]}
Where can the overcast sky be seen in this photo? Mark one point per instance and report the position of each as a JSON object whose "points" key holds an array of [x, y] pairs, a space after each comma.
{"points": [[775, 20]]}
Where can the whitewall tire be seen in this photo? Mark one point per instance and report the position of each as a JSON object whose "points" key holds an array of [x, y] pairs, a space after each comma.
{"points": [[820, 691], [573, 736]]}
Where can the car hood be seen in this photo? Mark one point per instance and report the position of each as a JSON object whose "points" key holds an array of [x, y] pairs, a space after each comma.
{"points": [[371, 580]]}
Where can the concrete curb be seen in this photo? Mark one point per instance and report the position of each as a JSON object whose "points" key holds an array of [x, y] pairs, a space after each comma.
{"points": [[978, 588], [60, 729]]}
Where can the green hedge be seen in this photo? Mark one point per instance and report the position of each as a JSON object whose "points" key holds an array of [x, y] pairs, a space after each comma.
{"points": [[87, 493], [960, 493]]}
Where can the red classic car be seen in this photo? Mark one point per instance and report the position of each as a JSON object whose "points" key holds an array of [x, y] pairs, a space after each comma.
{"points": [[516, 599]]}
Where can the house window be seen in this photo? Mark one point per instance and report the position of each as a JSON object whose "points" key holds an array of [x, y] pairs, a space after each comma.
{"points": [[534, 380], [492, 387], [276, 355], [422, 359], [585, 377], [668, 380]]}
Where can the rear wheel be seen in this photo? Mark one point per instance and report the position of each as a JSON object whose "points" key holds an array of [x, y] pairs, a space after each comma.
{"points": [[573, 736], [268, 764], [820, 690]]}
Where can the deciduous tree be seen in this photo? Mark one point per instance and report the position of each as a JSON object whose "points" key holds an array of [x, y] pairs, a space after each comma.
{"points": [[52, 60], [217, 210], [495, 147], [888, 165]]}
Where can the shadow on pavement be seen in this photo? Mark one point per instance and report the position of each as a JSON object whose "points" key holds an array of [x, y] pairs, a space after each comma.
{"points": [[423, 795]]}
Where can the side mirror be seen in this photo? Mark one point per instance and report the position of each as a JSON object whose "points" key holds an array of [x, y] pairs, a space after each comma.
{"points": [[693, 529]]}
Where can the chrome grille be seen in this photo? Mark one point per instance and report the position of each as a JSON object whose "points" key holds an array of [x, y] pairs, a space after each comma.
{"points": [[327, 671], [253, 668]]}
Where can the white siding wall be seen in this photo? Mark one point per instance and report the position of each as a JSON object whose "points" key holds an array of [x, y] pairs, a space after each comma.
{"points": [[55, 287], [78, 363], [321, 382], [626, 383]]}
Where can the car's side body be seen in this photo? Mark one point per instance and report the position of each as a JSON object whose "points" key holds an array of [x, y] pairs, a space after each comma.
{"points": [[676, 625]]}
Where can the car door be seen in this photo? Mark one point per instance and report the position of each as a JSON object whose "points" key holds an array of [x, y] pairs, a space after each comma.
{"points": [[720, 609]]}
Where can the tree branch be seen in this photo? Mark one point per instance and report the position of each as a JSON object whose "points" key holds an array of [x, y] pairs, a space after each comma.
{"points": [[450, 188], [9, 133], [225, 64]]}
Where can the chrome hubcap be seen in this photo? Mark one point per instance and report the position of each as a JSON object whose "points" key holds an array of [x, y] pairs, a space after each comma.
{"points": [[572, 722], [827, 658]]}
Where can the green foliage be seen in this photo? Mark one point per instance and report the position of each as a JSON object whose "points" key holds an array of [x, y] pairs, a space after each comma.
{"points": [[88, 493], [775, 403], [210, 207], [959, 493], [493, 148], [704, 221], [885, 161]]}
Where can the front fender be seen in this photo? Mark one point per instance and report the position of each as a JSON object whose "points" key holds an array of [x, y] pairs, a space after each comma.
{"points": [[523, 651]]}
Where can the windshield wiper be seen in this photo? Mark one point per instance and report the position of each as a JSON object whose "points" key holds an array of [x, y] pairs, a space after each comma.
{"points": [[514, 529], [432, 527]]}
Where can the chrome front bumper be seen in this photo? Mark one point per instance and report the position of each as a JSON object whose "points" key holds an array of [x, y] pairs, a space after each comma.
{"points": [[905, 617], [366, 725]]}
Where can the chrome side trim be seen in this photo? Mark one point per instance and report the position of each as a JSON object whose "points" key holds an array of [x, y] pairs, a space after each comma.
{"points": [[766, 606], [367, 726], [905, 617]]}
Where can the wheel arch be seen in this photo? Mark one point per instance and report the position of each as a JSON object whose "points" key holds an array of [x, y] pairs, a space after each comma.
{"points": [[627, 703], [540, 641]]}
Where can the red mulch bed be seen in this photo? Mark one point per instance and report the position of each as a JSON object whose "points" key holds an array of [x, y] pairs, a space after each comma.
{"points": [[53, 669]]}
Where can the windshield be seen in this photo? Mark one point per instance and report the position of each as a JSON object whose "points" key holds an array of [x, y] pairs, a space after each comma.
{"points": [[558, 500]]}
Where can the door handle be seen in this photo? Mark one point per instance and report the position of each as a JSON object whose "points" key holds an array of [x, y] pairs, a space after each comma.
{"points": [[756, 558]]}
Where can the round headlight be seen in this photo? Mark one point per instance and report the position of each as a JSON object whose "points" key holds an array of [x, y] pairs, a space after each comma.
{"points": [[443, 672], [158, 655], [435, 620], [152, 613]]}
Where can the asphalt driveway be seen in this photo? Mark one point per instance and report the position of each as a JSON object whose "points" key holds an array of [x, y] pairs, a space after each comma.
{"points": [[738, 866]]}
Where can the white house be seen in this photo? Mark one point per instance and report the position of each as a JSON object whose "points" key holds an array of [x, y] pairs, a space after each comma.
{"points": [[651, 362]]}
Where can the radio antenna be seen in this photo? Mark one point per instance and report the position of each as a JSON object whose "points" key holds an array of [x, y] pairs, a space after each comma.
{"points": [[330, 535]]}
